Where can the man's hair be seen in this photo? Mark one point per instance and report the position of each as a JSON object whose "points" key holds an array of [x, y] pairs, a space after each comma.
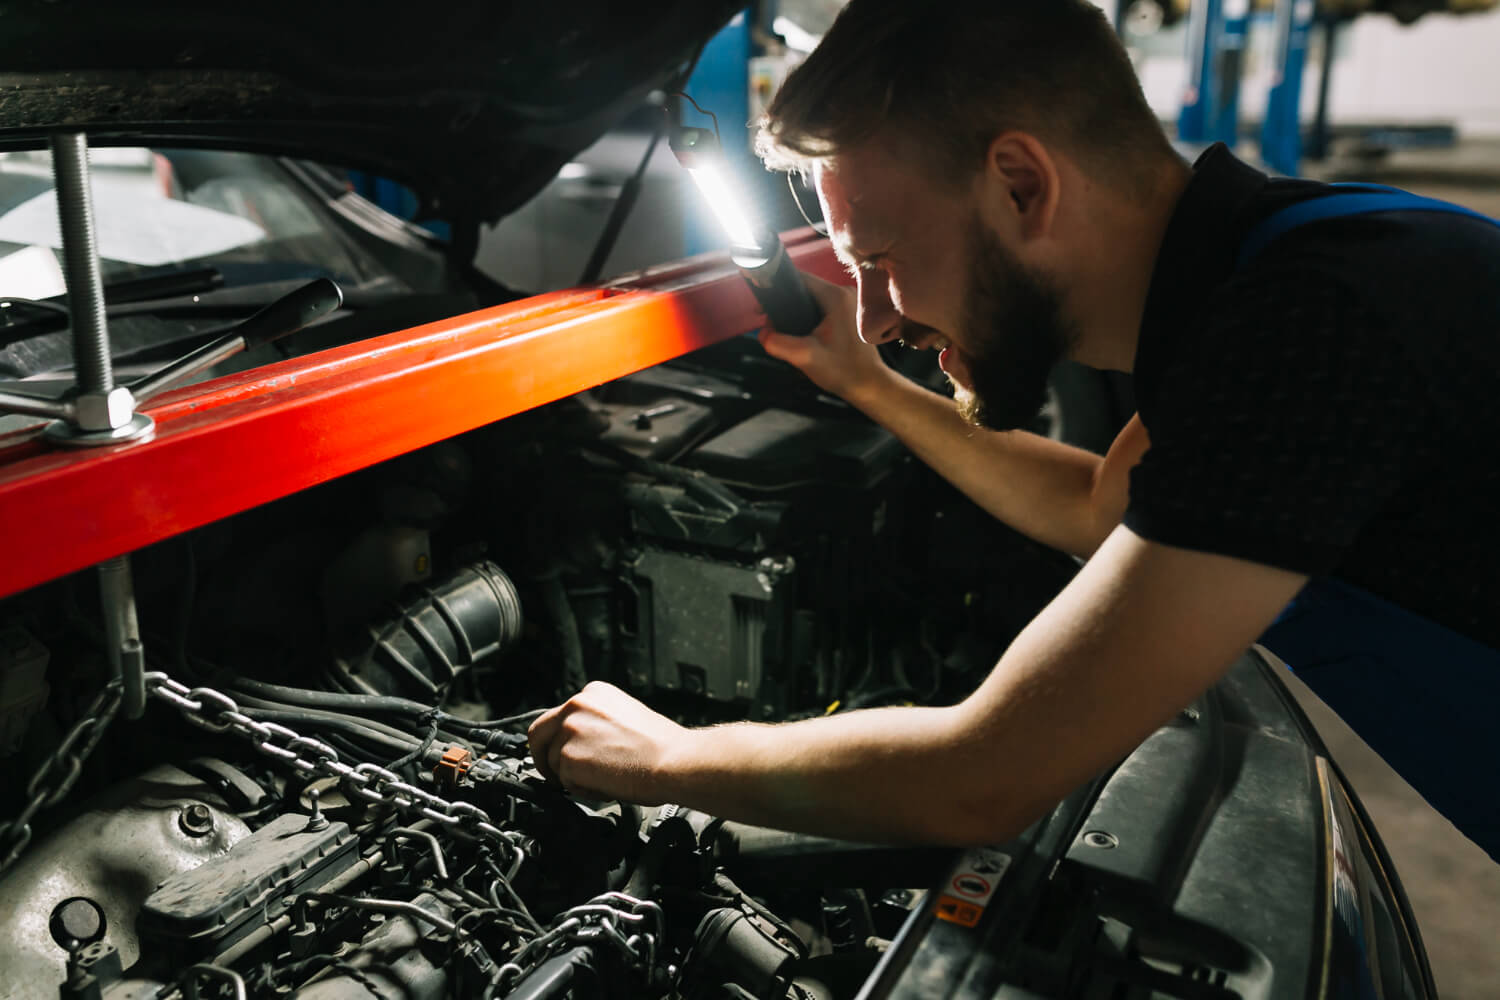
{"points": [[947, 77]]}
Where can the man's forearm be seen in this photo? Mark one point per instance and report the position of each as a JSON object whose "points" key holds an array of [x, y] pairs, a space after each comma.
{"points": [[1044, 489], [901, 775]]}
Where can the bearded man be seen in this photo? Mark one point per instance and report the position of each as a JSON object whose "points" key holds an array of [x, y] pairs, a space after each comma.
{"points": [[1314, 464]]}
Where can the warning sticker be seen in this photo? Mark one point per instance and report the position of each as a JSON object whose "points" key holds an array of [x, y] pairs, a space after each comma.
{"points": [[971, 885]]}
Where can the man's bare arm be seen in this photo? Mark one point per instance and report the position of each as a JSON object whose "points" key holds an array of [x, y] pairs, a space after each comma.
{"points": [[1059, 495], [1140, 632]]}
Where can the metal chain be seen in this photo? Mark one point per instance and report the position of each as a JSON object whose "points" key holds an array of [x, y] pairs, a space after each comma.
{"points": [[312, 758], [59, 772], [597, 922]]}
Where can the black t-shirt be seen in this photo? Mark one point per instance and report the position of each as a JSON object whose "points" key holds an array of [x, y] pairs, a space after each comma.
{"points": [[1332, 407]]}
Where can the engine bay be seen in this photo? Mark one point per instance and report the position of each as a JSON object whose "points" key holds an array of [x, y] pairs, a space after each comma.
{"points": [[329, 793]]}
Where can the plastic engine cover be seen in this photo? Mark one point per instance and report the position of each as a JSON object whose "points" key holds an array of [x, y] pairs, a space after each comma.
{"points": [[218, 902]]}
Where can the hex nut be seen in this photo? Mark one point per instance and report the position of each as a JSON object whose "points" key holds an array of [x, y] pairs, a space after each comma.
{"points": [[196, 819], [104, 411]]}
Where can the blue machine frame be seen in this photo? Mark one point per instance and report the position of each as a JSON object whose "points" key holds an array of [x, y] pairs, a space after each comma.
{"points": [[1218, 31], [1281, 132]]}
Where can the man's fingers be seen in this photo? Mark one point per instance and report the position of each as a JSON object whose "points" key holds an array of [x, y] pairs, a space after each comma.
{"points": [[543, 735], [601, 741], [554, 758], [785, 347], [545, 726]]}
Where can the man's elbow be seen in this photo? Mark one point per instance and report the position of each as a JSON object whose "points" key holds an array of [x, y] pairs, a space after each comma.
{"points": [[986, 820]]}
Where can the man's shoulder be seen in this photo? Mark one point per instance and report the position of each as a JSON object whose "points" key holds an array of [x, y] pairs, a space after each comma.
{"points": [[1280, 331], [1402, 266]]}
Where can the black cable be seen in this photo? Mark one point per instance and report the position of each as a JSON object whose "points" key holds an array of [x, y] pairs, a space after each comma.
{"points": [[331, 699], [525, 718], [420, 753], [335, 700], [631, 190], [701, 110], [340, 724], [316, 715], [347, 750]]}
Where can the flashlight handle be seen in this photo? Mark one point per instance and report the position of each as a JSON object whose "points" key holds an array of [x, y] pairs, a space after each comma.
{"points": [[781, 292]]}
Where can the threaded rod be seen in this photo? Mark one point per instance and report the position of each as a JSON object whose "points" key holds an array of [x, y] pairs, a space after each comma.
{"points": [[75, 213]]}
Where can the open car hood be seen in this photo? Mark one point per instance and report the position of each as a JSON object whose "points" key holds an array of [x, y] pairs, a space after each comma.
{"points": [[473, 106]]}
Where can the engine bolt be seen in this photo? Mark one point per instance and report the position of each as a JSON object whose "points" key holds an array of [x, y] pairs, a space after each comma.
{"points": [[1100, 839], [316, 821], [196, 820]]}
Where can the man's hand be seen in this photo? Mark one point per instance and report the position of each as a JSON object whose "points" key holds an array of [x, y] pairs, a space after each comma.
{"points": [[832, 355], [1139, 632], [604, 743]]}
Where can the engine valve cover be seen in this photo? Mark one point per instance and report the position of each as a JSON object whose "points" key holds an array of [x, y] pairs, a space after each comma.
{"points": [[221, 900]]}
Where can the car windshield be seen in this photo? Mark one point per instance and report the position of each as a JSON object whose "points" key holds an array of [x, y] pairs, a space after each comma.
{"points": [[157, 210]]}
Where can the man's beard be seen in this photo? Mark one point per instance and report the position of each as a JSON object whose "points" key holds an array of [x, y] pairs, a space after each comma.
{"points": [[1013, 334]]}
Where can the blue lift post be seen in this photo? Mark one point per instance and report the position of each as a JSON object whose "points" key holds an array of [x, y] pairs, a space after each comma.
{"points": [[1217, 31], [721, 83], [1281, 133]]}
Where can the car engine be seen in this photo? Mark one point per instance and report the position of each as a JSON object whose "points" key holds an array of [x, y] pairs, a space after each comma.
{"points": [[329, 793]]}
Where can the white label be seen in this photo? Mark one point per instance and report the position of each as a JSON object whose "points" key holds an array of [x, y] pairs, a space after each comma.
{"points": [[971, 886]]}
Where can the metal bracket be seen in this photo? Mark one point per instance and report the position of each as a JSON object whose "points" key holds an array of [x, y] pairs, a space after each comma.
{"points": [[99, 412]]}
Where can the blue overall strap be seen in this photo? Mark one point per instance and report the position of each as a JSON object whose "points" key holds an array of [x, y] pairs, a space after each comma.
{"points": [[1419, 693], [1352, 199]]}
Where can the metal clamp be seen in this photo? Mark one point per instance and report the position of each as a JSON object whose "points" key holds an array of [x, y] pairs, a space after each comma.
{"points": [[100, 412]]}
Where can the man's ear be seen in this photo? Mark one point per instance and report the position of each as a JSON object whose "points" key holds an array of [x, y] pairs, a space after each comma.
{"points": [[1022, 181]]}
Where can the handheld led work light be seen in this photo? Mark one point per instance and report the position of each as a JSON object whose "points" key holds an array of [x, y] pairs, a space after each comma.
{"points": [[755, 249]]}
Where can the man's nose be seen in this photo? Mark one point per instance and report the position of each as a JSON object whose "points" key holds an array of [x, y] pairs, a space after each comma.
{"points": [[878, 320]]}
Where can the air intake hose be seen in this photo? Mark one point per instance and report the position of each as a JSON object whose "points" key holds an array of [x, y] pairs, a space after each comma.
{"points": [[434, 638]]}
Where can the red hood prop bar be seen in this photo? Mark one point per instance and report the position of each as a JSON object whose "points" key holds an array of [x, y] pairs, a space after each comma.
{"points": [[236, 442]]}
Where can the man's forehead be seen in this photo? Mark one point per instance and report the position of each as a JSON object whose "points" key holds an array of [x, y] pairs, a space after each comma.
{"points": [[856, 177], [852, 232], [856, 197]]}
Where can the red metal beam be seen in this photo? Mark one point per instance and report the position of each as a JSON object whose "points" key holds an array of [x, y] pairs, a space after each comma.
{"points": [[233, 443]]}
